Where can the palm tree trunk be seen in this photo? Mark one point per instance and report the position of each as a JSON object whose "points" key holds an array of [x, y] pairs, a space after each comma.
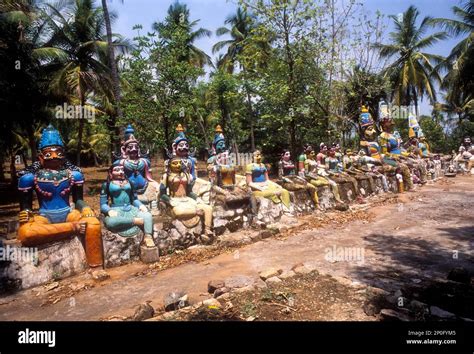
{"points": [[13, 178], [115, 78], [31, 142]]}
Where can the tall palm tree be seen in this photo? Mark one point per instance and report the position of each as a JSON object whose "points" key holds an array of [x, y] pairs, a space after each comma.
{"points": [[81, 38], [242, 24], [178, 16], [459, 63], [412, 73], [117, 113]]}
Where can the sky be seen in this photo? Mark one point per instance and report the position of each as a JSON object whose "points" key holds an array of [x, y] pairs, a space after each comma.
{"points": [[212, 14]]}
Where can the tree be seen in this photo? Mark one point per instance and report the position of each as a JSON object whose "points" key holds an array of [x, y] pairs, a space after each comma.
{"points": [[412, 72]]}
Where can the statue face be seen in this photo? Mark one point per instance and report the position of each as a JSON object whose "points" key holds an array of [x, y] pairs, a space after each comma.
{"points": [[467, 141], [324, 149], [387, 125], [286, 156], [176, 165], [312, 155], [118, 173], [369, 132], [220, 146], [257, 156], [182, 148], [132, 150], [52, 157], [332, 152]]}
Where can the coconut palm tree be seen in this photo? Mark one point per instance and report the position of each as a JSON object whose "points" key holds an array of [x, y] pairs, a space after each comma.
{"points": [[412, 73], [81, 38], [178, 16], [459, 64]]}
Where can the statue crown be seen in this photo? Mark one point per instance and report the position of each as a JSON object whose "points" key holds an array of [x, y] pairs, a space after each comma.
{"points": [[50, 137]]}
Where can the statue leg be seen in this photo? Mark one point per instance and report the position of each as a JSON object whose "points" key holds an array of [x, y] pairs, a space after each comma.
{"points": [[207, 209], [313, 192], [93, 237], [406, 175], [40, 231], [147, 222]]}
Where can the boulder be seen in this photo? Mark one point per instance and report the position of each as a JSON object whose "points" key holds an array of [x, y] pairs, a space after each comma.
{"points": [[119, 250]]}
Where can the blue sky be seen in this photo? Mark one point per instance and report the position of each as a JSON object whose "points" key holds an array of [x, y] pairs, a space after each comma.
{"points": [[212, 14]]}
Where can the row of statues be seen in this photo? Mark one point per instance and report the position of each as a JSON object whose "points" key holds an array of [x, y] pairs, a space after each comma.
{"points": [[130, 196]]}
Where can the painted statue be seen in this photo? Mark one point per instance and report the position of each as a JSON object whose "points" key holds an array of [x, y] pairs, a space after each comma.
{"points": [[392, 152], [137, 167], [125, 214], [222, 174], [315, 173], [55, 180], [257, 179], [176, 192], [465, 156], [290, 181]]}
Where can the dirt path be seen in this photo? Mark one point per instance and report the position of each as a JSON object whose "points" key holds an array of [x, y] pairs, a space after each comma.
{"points": [[418, 239]]}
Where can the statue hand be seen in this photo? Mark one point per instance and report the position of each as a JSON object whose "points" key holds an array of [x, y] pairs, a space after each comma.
{"points": [[143, 208], [24, 216], [113, 213]]}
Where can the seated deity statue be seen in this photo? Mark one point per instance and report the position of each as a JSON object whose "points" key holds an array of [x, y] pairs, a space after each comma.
{"points": [[392, 152], [335, 169], [222, 174], [125, 214], [176, 192], [289, 180], [137, 167], [314, 173], [257, 179], [464, 160], [54, 179]]}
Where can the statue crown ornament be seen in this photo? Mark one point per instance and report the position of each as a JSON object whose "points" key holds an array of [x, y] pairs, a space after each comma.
{"points": [[50, 137], [365, 117]]}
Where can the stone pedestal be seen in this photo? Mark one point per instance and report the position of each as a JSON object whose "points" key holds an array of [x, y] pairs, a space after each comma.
{"points": [[326, 197], [120, 250], [301, 202], [268, 211], [230, 220], [149, 254], [30, 266]]}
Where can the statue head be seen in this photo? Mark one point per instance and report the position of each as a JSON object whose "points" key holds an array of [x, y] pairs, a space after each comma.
{"points": [[286, 156], [116, 173], [257, 156], [51, 149], [219, 141], [332, 152], [387, 124], [466, 141], [180, 144], [130, 146], [367, 124], [175, 165], [323, 148]]}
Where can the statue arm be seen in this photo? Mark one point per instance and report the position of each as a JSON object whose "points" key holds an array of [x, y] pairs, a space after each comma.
{"points": [[25, 186], [104, 199]]}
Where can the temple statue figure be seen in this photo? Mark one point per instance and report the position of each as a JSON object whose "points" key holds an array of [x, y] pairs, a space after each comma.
{"points": [[465, 156], [176, 192], [137, 167], [315, 173], [392, 152], [334, 167], [290, 181], [222, 174], [257, 179], [125, 214], [54, 179]]}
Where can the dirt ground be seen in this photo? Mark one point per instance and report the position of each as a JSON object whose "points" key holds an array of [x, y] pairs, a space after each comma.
{"points": [[411, 242]]}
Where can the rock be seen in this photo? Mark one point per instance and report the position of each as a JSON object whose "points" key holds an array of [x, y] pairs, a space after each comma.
{"points": [[370, 309], [287, 274], [100, 275], [265, 234], [391, 315], [51, 262], [269, 273], [221, 291], [149, 254], [260, 284], [244, 289], [418, 305], [377, 291], [213, 285], [176, 300], [273, 280], [51, 286], [143, 312], [442, 314], [212, 303], [238, 281], [119, 250], [460, 275], [301, 269]]}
